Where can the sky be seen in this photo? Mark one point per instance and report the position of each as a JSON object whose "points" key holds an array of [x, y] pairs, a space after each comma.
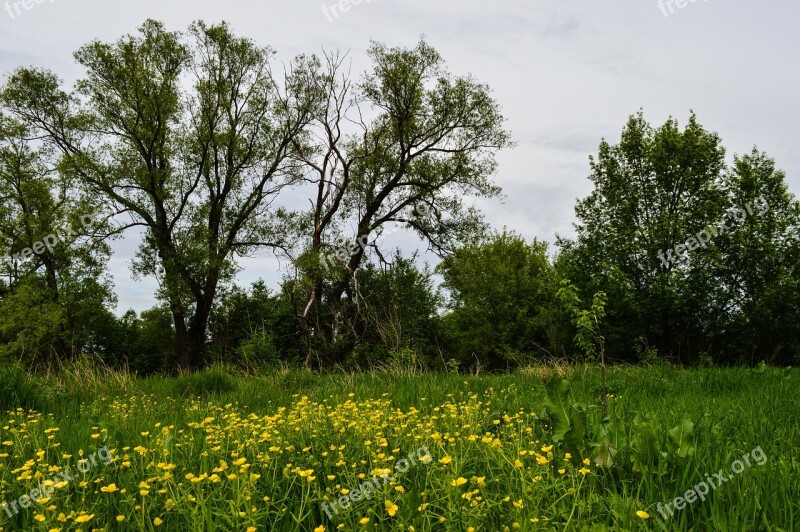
{"points": [[566, 73]]}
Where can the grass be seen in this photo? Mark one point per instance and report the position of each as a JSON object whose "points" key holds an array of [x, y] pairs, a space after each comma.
{"points": [[223, 451]]}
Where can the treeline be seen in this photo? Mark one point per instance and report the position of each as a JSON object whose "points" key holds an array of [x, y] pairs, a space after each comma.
{"points": [[203, 143]]}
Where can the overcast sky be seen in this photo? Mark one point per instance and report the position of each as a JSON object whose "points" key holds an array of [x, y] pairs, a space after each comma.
{"points": [[567, 74]]}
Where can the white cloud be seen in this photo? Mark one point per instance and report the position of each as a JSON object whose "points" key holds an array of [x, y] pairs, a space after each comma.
{"points": [[567, 73]]}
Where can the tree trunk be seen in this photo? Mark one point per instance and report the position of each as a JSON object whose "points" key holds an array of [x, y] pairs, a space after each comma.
{"points": [[191, 341], [190, 348]]}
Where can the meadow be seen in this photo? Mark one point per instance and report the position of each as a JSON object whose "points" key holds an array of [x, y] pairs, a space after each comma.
{"points": [[296, 451]]}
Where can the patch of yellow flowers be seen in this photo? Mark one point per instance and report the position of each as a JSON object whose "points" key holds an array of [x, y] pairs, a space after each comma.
{"points": [[255, 471]]}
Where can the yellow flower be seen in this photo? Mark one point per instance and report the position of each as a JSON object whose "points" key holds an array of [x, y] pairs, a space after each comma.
{"points": [[518, 463], [120, 518], [391, 508], [320, 528], [519, 504], [111, 488], [643, 515], [364, 520], [158, 521], [39, 517], [547, 449], [583, 470], [446, 460], [586, 461], [460, 481], [251, 529], [84, 518]]}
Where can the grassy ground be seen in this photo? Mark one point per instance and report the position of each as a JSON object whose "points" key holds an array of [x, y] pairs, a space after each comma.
{"points": [[386, 451]]}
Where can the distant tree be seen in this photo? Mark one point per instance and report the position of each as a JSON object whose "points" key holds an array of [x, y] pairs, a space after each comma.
{"points": [[394, 312], [248, 327], [502, 300]]}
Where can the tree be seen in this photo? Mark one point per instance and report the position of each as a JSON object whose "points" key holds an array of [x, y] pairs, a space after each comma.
{"points": [[696, 257], [53, 249], [589, 336], [502, 300], [430, 146], [189, 135], [653, 190], [759, 303]]}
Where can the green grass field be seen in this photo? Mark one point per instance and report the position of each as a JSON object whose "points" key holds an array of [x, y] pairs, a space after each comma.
{"points": [[396, 451]]}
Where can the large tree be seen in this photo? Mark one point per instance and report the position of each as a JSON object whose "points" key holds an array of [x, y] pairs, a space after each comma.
{"points": [[52, 252], [680, 244], [189, 136], [409, 145], [759, 274]]}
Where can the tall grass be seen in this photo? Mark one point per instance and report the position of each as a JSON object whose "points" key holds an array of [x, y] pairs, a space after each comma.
{"points": [[733, 410]]}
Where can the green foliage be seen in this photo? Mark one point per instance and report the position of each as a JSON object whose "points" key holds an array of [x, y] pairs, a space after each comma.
{"points": [[501, 301], [658, 189], [587, 321], [680, 439], [253, 328], [583, 432]]}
